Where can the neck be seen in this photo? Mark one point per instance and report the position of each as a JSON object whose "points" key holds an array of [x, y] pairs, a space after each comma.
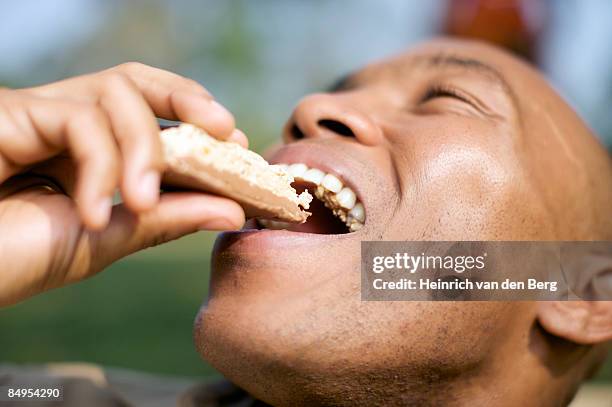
{"points": [[547, 372]]}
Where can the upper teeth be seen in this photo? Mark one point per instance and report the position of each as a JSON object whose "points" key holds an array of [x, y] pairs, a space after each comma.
{"points": [[358, 212], [331, 183], [314, 175], [297, 169], [346, 198], [341, 199]]}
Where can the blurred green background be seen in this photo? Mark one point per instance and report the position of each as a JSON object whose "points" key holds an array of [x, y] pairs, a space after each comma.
{"points": [[258, 58], [138, 314]]}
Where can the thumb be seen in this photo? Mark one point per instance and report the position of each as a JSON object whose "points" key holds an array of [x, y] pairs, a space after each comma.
{"points": [[177, 214]]}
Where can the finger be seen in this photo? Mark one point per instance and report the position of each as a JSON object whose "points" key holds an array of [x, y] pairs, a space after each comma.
{"points": [[20, 143], [175, 97], [157, 81], [240, 138], [153, 80], [91, 144], [137, 133], [170, 96], [176, 215], [206, 114], [85, 131]]}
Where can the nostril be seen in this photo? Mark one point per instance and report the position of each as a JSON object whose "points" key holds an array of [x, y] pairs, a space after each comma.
{"points": [[336, 127], [296, 133]]}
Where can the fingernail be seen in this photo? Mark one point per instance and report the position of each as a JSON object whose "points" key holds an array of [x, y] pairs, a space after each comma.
{"points": [[238, 137], [218, 224], [103, 210], [149, 187]]}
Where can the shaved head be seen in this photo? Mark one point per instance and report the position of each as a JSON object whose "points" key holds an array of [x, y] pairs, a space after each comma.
{"points": [[451, 140]]}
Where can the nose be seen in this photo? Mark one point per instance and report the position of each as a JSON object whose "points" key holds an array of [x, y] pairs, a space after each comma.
{"points": [[331, 115]]}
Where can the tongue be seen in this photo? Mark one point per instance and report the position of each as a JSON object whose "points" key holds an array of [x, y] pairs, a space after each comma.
{"points": [[322, 220]]}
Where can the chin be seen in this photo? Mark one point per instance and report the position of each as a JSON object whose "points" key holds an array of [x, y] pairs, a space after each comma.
{"points": [[315, 343]]}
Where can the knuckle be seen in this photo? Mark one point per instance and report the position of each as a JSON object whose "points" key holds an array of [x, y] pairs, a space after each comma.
{"points": [[115, 80], [85, 116], [87, 113], [132, 67], [7, 122]]}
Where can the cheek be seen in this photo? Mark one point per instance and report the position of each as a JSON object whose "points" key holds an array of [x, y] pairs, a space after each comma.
{"points": [[466, 180], [425, 334], [465, 189]]}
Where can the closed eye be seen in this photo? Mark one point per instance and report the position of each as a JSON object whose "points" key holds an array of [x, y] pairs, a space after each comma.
{"points": [[444, 91]]}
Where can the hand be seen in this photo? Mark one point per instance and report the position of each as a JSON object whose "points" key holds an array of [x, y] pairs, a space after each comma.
{"points": [[66, 147]]}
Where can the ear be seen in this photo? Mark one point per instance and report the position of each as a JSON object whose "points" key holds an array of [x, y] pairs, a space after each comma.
{"points": [[583, 322], [587, 269], [587, 317]]}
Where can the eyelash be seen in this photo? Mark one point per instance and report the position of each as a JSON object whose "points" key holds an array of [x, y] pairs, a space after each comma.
{"points": [[437, 91]]}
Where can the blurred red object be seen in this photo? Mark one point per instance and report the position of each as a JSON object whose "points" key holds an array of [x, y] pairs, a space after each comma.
{"points": [[514, 24]]}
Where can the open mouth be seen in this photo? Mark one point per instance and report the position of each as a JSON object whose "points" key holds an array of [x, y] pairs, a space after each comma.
{"points": [[336, 209]]}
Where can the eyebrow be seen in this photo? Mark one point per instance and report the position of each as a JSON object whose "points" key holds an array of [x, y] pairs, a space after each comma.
{"points": [[472, 64], [346, 82]]}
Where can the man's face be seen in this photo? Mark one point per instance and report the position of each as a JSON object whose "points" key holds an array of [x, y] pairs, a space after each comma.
{"points": [[436, 145]]}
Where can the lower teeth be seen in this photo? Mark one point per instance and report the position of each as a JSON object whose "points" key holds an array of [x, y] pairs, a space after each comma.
{"points": [[274, 224], [330, 202]]}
